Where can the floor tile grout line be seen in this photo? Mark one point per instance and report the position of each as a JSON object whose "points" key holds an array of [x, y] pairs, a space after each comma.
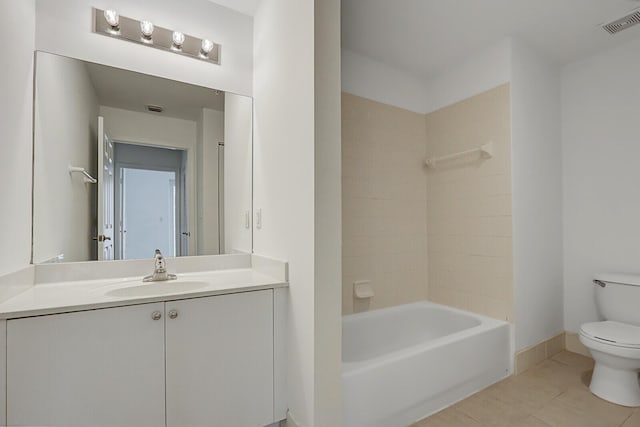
{"points": [[541, 420], [627, 419]]}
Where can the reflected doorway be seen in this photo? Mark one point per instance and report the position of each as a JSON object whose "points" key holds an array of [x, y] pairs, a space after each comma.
{"points": [[150, 201]]}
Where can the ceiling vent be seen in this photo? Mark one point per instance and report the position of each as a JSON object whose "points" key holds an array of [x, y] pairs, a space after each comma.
{"points": [[623, 23], [155, 108]]}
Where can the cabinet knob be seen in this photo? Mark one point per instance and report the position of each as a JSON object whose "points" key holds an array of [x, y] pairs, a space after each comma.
{"points": [[156, 315], [173, 314]]}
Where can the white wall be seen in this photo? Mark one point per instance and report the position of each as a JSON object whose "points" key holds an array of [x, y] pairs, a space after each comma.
{"points": [[210, 132], [484, 70], [477, 73], [284, 174], [66, 122], [64, 27], [537, 196], [150, 129], [297, 168], [238, 143], [328, 216], [16, 110], [600, 174], [365, 77]]}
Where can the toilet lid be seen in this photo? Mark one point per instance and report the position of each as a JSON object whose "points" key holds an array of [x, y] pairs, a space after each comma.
{"points": [[613, 333]]}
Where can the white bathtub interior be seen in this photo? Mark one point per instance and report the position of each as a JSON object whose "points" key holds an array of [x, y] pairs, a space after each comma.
{"points": [[370, 335], [404, 363]]}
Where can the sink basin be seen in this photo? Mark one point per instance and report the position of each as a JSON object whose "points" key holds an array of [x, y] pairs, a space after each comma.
{"points": [[156, 288]]}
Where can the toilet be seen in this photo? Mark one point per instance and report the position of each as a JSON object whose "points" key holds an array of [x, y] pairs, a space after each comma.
{"points": [[615, 342]]}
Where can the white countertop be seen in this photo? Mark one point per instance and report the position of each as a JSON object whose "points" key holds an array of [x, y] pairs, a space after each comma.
{"points": [[62, 297]]}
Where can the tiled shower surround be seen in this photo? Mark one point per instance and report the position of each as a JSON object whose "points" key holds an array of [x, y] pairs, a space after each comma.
{"points": [[443, 234], [384, 203]]}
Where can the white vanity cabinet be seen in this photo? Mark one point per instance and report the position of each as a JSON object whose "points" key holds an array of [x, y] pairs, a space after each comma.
{"points": [[220, 361], [99, 367], [195, 362]]}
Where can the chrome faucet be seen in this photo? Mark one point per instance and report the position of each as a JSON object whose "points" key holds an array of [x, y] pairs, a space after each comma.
{"points": [[160, 270]]}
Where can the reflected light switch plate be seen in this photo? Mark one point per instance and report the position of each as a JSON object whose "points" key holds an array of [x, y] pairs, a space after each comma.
{"points": [[258, 219]]}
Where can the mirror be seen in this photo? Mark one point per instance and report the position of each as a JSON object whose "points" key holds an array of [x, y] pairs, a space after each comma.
{"points": [[125, 163]]}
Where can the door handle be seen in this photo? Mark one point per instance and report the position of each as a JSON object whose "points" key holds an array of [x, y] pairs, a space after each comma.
{"points": [[186, 233], [101, 238]]}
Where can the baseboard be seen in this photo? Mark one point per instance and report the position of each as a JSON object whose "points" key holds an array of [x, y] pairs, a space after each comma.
{"points": [[574, 345], [538, 353]]}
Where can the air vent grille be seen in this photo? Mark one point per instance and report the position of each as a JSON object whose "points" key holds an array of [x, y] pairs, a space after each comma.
{"points": [[155, 108], [623, 23]]}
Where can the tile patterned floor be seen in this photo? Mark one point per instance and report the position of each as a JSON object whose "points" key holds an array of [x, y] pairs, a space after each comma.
{"points": [[554, 393]]}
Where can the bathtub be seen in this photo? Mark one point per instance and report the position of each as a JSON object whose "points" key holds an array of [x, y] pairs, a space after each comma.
{"points": [[404, 363]]}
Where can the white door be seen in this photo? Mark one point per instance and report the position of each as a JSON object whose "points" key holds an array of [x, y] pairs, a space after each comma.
{"points": [[90, 368], [185, 234], [148, 200], [221, 208], [219, 360], [105, 194]]}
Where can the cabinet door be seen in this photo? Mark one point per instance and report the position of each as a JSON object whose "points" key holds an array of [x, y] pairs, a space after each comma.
{"points": [[220, 361], [90, 368]]}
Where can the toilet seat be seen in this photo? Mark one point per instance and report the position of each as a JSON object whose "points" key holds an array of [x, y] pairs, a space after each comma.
{"points": [[612, 333]]}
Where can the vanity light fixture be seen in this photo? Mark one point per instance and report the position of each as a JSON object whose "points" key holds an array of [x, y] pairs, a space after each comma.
{"points": [[110, 23], [146, 28]]}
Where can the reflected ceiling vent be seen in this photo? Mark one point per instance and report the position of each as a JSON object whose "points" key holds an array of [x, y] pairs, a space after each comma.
{"points": [[623, 23], [155, 108]]}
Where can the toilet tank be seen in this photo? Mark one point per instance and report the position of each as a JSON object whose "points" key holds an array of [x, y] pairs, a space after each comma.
{"points": [[618, 297]]}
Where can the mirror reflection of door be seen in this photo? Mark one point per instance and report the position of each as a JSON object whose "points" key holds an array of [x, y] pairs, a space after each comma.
{"points": [[150, 201], [105, 228], [185, 234]]}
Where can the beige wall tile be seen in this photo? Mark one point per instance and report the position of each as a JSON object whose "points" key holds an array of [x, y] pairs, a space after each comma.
{"points": [[384, 197], [443, 234], [469, 207], [347, 297]]}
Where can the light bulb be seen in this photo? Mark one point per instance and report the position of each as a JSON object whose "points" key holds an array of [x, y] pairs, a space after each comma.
{"points": [[206, 47], [112, 18], [178, 39], [146, 27]]}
